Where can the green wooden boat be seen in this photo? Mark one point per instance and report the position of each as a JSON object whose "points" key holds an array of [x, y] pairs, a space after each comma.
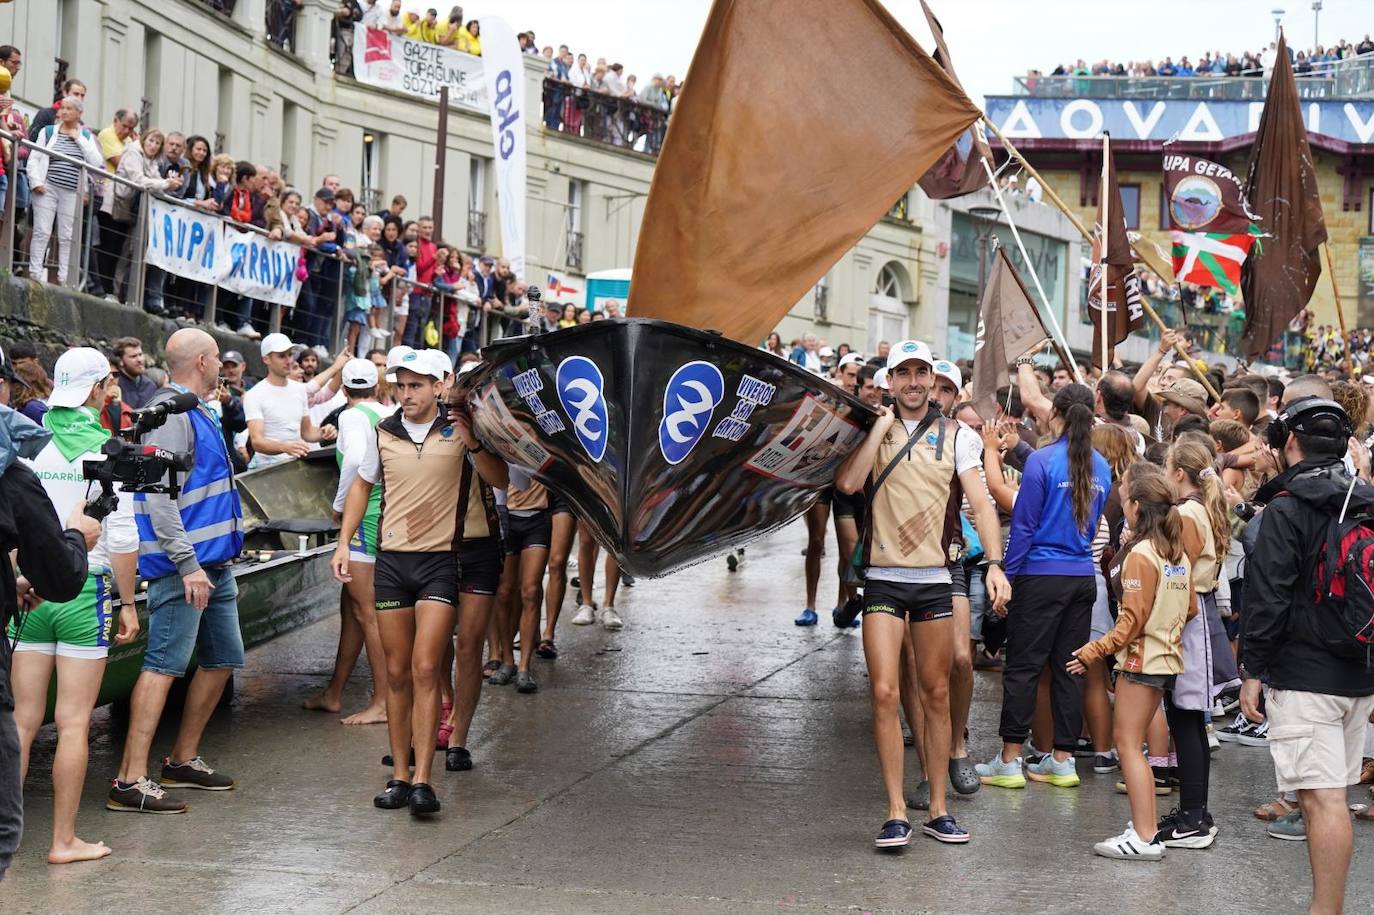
{"points": [[283, 574]]}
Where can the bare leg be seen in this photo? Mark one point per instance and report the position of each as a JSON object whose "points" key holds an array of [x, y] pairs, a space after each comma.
{"points": [[911, 699], [365, 614], [1135, 706], [960, 678], [30, 674], [398, 638], [586, 563], [882, 634], [933, 641], [474, 612], [78, 685], [146, 705], [532, 561], [1097, 708], [201, 698], [1329, 842], [846, 537], [612, 580], [506, 619], [817, 517], [433, 642], [563, 527], [350, 645], [1158, 734]]}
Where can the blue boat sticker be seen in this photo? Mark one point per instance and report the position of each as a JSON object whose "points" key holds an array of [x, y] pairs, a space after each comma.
{"points": [[581, 389], [692, 395]]}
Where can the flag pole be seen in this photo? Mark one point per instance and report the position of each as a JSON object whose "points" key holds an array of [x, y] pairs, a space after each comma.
{"points": [[1340, 312], [1078, 224], [1060, 339], [1102, 253]]}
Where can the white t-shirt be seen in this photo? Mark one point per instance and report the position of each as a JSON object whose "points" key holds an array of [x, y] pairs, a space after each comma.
{"points": [[356, 435], [281, 408], [371, 467]]}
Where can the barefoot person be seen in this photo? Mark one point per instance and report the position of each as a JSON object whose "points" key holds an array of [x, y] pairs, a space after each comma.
{"points": [[73, 637], [419, 458], [909, 471], [185, 547], [357, 424]]}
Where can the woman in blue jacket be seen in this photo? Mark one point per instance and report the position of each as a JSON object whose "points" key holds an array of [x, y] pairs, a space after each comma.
{"points": [[1049, 559]]}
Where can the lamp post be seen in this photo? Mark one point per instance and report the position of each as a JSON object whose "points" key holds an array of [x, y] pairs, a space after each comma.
{"points": [[1316, 21], [984, 218], [1277, 13]]}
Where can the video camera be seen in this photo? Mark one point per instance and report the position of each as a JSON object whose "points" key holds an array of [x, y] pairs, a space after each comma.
{"points": [[140, 468]]}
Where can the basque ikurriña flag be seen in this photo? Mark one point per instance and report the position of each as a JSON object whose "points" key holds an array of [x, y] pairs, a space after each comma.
{"points": [[1213, 227]]}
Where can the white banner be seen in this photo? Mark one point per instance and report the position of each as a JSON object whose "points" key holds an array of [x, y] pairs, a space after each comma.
{"points": [[261, 268], [419, 68], [505, 68], [186, 242]]}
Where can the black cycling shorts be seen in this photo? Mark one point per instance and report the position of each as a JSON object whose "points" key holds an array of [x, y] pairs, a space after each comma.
{"points": [[558, 505], [849, 506], [527, 532], [919, 603], [958, 579], [479, 564], [404, 579]]}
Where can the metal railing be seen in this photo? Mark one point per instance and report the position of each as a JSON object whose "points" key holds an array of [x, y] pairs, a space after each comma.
{"points": [[280, 22], [573, 261], [1349, 78], [477, 230], [624, 122]]}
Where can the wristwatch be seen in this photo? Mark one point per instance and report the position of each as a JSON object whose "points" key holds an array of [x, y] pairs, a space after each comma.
{"points": [[999, 563], [1025, 360]]}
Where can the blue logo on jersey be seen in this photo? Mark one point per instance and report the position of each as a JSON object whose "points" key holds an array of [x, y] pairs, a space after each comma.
{"points": [[580, 388], [692, 395], [446, 431]]}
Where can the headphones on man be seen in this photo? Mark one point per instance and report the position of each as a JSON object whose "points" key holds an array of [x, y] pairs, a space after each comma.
{"points": [[1300, 414]]}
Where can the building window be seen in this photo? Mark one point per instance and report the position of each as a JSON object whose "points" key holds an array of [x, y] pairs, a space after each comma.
{"points": [[902, 208], [573, 230], [371, 194], [889, 283], [820, 301], [477, 203], [1130, 201]]}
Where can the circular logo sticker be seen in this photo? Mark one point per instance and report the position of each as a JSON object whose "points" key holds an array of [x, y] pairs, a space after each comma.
{"points": [[1196, 201]]}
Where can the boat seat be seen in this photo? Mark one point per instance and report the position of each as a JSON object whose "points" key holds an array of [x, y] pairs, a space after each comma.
{"points": [[296, 526]]}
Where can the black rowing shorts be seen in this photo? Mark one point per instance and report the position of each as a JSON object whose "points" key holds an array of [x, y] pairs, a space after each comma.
{"points": [[558, 505], [528, 532], [404, 579], [479, 564], [920, 603]]}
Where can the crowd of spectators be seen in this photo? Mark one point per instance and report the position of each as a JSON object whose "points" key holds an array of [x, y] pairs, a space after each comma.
{"points": [[1313, 62]]}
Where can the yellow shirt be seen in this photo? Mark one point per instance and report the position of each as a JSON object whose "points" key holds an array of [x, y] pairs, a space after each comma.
{"points": [[469, 43], [111, 147], [423, 30]]}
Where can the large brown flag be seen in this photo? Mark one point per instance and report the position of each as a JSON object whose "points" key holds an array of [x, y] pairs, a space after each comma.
{"points": [[774, 165], [1124, 311], [1008, 327], [1279, 276], [959, 170]]}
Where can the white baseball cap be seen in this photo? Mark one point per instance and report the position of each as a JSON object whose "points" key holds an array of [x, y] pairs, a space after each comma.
{"points": [[441, 359], [880, 378], [850, 359], [906, 351], [276, 343], [946, 369], [471, 365], [403, 357], [825, 352], [359, 374], [76, 372]]}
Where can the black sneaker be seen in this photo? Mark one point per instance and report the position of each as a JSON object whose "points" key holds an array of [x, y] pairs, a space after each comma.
{"points": [[1084, 749], [1178, 830], [423, 801], [194, 773], [457, 759], [395, 796], [143, 796], [1104, 763], [1231, 733]]}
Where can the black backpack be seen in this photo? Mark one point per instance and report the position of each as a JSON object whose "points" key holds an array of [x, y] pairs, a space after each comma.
{"points": [[1344, 623]]}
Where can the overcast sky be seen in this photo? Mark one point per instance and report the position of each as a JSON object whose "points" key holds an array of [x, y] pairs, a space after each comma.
{"points": [[990, 40]]}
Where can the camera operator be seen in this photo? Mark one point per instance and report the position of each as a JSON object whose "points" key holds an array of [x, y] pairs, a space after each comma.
{"points": [[1318, 699], [186, 547], [54, 564], [73, 636]]}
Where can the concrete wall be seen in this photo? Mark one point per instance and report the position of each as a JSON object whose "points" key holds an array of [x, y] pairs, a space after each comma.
{"points": [[202, 72]]}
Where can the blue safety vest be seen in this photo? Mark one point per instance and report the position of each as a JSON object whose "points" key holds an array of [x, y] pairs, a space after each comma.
{"points": [[209, 504]]}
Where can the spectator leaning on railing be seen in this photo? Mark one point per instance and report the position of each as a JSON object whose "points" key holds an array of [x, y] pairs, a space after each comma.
{"points": [[57, 185]]}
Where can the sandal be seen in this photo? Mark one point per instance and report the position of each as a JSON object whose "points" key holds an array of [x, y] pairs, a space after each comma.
{"points": [[546, 650], [1274, 810], [1363, 812], [445, 727], [490, 668]]}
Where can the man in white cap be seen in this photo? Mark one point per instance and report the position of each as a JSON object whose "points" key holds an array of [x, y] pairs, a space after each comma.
{"points": [[357, 426], [911, 460], [428, 466], [277, 409], [74, 637], [847, 371]]}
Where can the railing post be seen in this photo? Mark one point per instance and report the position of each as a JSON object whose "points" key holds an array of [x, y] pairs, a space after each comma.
{"points": [[138, 249], [334, 338], [274, 317], [212, 307], [75, 246], [88, 241], [12, 175]]}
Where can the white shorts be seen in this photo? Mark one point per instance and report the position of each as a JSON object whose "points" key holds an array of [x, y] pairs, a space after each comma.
{"points": [[1317, 740], [357, 555], [402, 307]]}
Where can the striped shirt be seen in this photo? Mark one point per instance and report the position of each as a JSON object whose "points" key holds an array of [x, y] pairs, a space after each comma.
{"points": [[64, 174]]}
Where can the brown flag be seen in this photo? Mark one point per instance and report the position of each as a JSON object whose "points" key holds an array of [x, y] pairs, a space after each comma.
{"points": [[959, 171], [774, 165], [1008, 327], [1124, 311], [1278, 277]]}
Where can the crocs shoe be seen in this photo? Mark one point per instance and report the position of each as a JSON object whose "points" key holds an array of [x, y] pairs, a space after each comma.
{"points": [[1052, 771], [1001, 774], [808, 617], [920, 798], [894, 834], [944, 829], [963, 775]]}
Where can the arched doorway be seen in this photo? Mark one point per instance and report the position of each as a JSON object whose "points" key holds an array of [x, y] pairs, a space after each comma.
{"points": [[889, 314]]}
